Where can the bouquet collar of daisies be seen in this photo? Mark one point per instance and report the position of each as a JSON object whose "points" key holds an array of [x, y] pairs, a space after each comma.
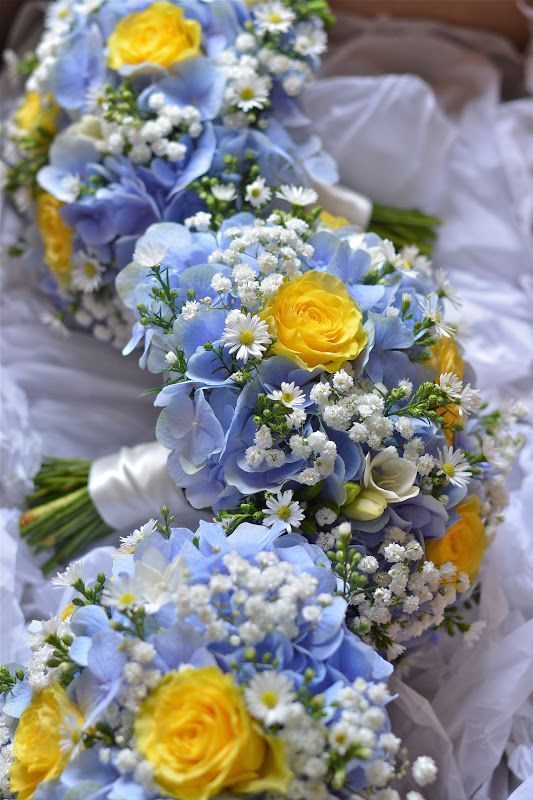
{"points": [[202, 666], [138, 113], [312, 380]]}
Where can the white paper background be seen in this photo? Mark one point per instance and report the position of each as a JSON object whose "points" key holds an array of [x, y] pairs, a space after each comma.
{"points": [[440, 138]]}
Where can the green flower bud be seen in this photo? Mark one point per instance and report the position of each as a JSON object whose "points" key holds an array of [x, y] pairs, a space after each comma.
{"points": [[369, 504], [352, 491]]}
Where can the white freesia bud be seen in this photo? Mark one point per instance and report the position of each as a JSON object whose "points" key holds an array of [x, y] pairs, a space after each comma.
{"points": [[390, 475]]}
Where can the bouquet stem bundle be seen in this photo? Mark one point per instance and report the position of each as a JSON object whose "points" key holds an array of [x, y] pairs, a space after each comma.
{"points": [[404, 227], [61, 515]]}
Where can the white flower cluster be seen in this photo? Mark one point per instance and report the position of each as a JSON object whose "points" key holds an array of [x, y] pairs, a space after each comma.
{"points": [[358, 409], [38, 674], [56, 28], [309, 745], [252, 67], [6, 758], [409, 594], [105, 316], [409, 260], [158, 137], [500, 445], [278, 249]]}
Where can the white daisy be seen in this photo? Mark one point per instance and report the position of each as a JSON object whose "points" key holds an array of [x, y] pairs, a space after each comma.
{"points": [[258, 193], [128, 544], [150, 254], [246, 335], [70, 734], [70, 575], [430, 308], [124, 592], [297, 195], [289, 394], [269, 697], [250, 91], [445, 288], [470, 399], [224, 191], [274, 18], [454, 465], [451, 384], [86, 272], [310, 40], [282, 508]]}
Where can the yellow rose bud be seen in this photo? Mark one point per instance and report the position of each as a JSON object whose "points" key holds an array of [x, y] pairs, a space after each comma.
{"points": [[158, 35], [446, 357], [37, 751], [36, 112], [195, 730], [315, 322], [463, 544], [56, 236], [369, 504]]}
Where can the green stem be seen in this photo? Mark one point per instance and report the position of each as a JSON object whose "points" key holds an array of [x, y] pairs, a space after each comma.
{"points": [[62, 516], [404, 226]]}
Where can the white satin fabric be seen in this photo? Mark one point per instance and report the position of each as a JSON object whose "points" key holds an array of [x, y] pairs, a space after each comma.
{"points": [[133, 484], [432, 133]]}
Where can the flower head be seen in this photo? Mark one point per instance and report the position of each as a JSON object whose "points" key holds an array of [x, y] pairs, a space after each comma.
{"points": [[274, 17], [73, 573], [316, 322], [86, 272], [269, 697], [150, 254], [246, 335], [46, 735], [196, 732], [159, 34], [289, 394], [297, 195], [281, 508], [454, 465], [464, 543]]}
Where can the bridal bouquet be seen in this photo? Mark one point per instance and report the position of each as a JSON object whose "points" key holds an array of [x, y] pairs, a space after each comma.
{"points": [[136, 113], [201, 666], [312, 381]]}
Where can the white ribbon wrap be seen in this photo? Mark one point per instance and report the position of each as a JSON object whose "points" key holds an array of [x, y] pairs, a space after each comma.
{"points": [[130, 486], [344, 202]]}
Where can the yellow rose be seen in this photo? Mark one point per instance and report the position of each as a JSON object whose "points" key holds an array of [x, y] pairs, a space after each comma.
{"points": [[36, 112], [158, 35], [56, 236], [37, 749], [463, 544], [195, 730], [315, 322], [446, 357]]}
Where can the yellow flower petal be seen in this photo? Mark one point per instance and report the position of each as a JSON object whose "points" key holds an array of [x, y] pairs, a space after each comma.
{"points": [[158, 35], [195, 730], [315, 322]]}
